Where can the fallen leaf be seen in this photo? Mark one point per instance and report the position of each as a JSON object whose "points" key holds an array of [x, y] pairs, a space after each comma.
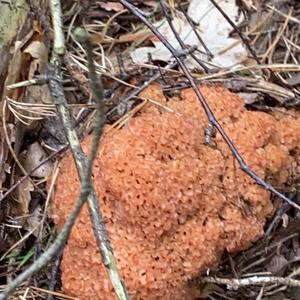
{"points": [[294, 80], [159, 51], [33, 220], [277, 265], [24, 196], [111, 6], [209, 289], [250, 98], [39, 53], [35, 154], [213, 29], [39, 59]]}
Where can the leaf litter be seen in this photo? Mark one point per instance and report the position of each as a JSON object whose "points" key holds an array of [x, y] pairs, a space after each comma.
{"points": [[213, 28], [274, 87]]}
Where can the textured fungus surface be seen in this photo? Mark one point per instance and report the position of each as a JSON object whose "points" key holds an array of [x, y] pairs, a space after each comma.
{"points": [[172, 205]]}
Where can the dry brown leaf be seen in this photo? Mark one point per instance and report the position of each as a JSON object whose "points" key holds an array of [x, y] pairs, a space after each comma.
{"points": [[35, 154], [294, 80], [111, 6], [39, 53], [209, 289], [33, 220], [277, 265], [39, 56], [136, 37], [14, 71], [214, 31], [24, 196]]}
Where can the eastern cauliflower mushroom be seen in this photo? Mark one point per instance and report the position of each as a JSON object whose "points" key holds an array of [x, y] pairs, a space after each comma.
{"points": [[172, 205]]}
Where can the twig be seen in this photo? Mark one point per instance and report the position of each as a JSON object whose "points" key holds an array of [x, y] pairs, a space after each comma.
{"points": [[234, 283], [123, 74], [262, 251], [52, 250], [54, 275], [272, 67], [38, 80], [85, 166], [59, 39], [290, 18], [20, 241], [211, 118], [55, 294]]}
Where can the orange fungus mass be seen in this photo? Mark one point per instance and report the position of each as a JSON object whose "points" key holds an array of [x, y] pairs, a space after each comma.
{"points": [[172, 204]]}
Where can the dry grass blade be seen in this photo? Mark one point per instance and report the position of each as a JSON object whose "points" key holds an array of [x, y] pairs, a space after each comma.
{"points": [[278, 36]]}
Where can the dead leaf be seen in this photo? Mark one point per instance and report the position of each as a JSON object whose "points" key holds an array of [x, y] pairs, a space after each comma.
{"points": [[213, 29], [35, 154], [39, 54], [39, 59], [151, 3], [111, 6], [294, 80], [277, 265], [24, 196], [250, 98], [14, 70], [33, 220], [209, 289]]}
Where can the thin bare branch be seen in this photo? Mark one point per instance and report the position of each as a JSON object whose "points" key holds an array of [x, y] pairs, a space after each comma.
{"points": [[235, 283]]}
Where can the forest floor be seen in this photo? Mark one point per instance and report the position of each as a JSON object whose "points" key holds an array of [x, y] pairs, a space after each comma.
{"points": [[253, 51]]}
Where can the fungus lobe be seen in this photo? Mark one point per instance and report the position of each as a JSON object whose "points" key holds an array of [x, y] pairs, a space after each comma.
{"points": [[172, 204]]}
